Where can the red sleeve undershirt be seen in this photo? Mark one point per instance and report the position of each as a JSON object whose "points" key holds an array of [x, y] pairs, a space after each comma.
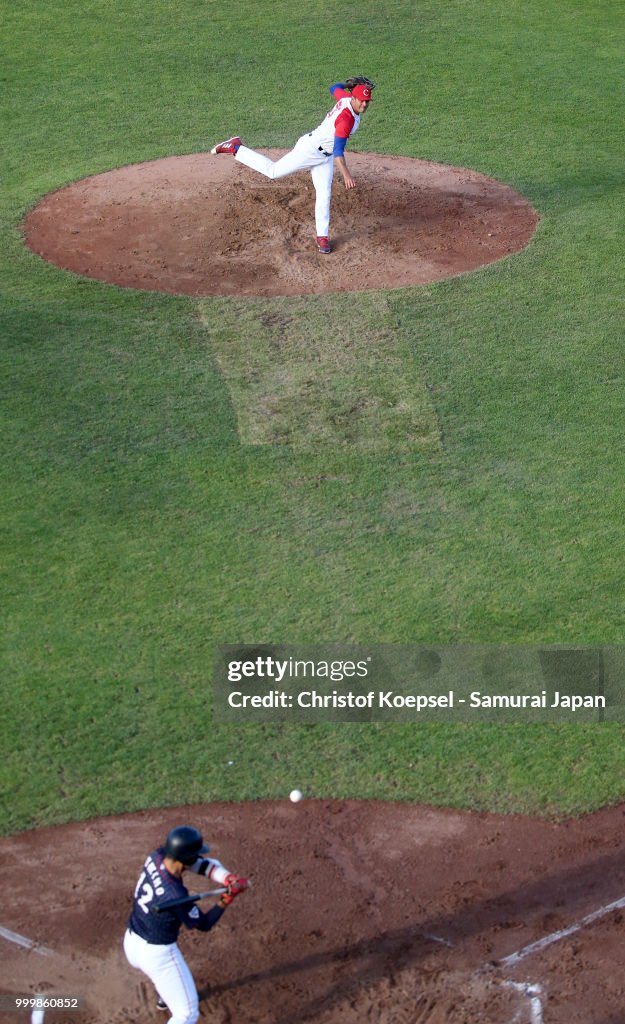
{"points": [[344, 122]]}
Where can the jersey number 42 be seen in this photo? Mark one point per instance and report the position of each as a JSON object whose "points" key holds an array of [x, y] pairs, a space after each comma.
{"points": [[144, 893]]}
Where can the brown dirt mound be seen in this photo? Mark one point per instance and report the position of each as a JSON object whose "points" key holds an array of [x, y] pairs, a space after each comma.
{"points": [[205, 225], [361, 911]]}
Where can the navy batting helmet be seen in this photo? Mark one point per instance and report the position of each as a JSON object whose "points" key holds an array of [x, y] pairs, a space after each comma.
{"points": [[185, 844]]}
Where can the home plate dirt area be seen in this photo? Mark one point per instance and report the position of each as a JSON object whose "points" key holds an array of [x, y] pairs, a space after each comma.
{"points": [[207, 225], [360, 911]]}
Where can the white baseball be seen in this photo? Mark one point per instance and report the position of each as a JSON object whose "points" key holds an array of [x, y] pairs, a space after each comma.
{"points": [[295, 796]]}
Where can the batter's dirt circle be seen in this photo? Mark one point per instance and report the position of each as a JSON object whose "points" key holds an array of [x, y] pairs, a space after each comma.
{"points": [[360, 911], [206, 225]]}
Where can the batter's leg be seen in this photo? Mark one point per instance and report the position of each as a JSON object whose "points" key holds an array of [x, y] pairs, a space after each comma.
{"points": [[166, 968], [322, 176]]}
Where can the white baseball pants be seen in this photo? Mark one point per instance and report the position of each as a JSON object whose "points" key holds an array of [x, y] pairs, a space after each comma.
{"points": [[166, 968], [304, 156]]}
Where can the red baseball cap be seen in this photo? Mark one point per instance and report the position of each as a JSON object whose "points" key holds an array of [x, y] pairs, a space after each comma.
{"points": [[362, 92]]}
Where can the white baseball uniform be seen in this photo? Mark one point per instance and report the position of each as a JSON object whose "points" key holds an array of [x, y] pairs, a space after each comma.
{"points": [[314, 152]]}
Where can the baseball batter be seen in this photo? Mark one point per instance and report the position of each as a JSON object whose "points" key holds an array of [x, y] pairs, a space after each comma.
{"points": [[317, 151], [150, 942]]}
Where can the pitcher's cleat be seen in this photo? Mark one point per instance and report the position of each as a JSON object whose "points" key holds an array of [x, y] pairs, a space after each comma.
{"points": [[229, 146]]}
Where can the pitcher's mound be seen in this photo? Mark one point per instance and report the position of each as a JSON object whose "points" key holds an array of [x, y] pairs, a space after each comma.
{"points": [[206, 225]]}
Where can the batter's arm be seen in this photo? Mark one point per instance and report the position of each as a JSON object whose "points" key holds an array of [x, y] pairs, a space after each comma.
{"points": [[213, 869], [193, 917]]}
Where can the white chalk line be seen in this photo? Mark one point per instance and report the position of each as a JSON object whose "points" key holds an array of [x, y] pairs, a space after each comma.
{"points": [[437, 938], [534, 992], [37, 1016], [548, 940], [21, 940], [536, 1009]]}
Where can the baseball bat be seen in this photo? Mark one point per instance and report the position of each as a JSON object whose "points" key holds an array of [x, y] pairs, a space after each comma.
{"points": [[182, 901]]}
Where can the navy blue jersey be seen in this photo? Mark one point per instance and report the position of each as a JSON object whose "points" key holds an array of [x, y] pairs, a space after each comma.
{"points": [[156, 885]]}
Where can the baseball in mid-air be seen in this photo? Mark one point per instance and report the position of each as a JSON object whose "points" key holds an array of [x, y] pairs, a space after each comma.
{"points": [[295, 796]]}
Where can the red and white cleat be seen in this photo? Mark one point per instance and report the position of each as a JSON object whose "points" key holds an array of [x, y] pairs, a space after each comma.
{"points": [[323, 244], [229, 146]]}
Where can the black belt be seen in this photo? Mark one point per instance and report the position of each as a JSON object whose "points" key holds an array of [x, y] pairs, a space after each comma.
{"points": [[320, 148]]}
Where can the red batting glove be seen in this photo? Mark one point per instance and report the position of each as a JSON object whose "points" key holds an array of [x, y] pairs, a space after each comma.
{"points": [[235, 887]]}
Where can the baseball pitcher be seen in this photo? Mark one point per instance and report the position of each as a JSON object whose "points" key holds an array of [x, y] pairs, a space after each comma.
{"points": [[317, 151]]}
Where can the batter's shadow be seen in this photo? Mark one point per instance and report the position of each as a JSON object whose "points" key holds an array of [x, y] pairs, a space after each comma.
{"points": [[572, 892]]}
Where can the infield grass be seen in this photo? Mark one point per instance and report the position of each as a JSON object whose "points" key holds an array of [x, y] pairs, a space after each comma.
{"points": [[151, 510]]}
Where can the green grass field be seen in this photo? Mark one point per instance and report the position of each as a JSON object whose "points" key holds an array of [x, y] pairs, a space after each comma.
{"points": [[147, 516]]}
